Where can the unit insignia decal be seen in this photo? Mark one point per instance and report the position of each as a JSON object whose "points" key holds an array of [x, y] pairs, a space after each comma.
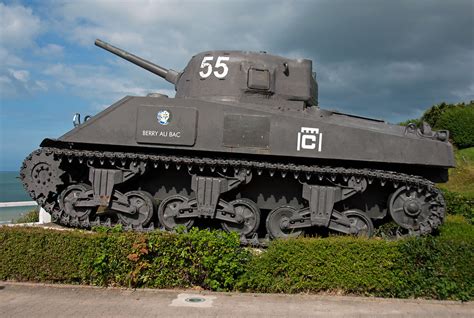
{"points": [[309, 138], [163, 117]]}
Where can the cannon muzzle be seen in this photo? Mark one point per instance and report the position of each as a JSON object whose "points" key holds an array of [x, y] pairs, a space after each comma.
{"points": [[169, 75]]}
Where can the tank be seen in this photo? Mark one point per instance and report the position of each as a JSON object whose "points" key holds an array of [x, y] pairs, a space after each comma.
{"points": [[242, 146]]}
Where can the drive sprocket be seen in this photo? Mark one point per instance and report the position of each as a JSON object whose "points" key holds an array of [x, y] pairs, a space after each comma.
{"points": [[41, 175], [418, 212]]}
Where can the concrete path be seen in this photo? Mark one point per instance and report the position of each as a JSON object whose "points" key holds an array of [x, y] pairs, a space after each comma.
{"points": [[37, 300]]}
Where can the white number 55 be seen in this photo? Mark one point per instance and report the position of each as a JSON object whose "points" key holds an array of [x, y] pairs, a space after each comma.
{"points": [[207, 67]]}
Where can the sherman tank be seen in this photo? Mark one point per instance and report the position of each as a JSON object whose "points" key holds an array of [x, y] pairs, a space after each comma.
{"points": [[242, 146]]}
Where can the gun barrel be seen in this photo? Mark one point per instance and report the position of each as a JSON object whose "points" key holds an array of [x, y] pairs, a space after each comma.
{"points": [[170, 75]]}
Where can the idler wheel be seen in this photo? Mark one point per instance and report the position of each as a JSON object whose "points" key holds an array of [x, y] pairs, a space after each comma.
{"points": [[69, 196], [278, 220], [361, 224], [168, 210], [41, 175], [251, 214], [416, 211], [143, 202]]}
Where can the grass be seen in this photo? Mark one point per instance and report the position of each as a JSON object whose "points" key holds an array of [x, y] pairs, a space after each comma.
{"points": [[461, 178], [30, 217]]}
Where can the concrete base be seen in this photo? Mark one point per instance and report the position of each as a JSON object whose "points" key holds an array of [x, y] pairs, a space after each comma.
{"points": [[44, 217]]}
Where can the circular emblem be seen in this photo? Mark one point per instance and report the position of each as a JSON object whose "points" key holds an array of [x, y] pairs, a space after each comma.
{"points": [[163, 117]]}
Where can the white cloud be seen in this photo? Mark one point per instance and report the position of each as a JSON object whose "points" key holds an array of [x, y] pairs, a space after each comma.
{"points": [[170, 32], [95, 83], [18, 25], [9, 59], [20, 75], [50, 50], [163, 32], [19, 28], [41, 85], [4, 80], [18, 82]]}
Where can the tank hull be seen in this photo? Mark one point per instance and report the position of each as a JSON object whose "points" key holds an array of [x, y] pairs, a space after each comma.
{"points": [[308, 135]]}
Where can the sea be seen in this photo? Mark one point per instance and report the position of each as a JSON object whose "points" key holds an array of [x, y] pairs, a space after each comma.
{"points": [[11, 190]]}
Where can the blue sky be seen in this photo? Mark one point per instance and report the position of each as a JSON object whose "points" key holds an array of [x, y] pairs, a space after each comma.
{"points": [[385, 59]]}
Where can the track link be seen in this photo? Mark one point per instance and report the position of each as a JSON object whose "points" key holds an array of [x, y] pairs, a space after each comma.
{"points": [[121, 159]]}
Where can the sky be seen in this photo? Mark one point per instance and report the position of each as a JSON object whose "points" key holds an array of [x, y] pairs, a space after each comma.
{"points": [[385, 59]]}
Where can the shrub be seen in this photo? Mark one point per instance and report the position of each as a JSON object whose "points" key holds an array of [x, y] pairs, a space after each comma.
{"points": [[346, 264], [439, 267], [209, 259], [459, 204]]}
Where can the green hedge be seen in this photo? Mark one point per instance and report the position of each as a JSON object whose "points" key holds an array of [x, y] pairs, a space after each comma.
{"points": [[213, 260], [432, 267], [439, 267], [337, 263]]}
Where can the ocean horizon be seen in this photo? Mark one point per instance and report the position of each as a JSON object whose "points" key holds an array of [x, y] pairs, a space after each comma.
{"points": [[11, 190]]}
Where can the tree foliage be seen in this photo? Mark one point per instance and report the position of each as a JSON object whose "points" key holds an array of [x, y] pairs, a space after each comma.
{"points": [[434, 113], [415, 121], [460, 123], [457, 118]]}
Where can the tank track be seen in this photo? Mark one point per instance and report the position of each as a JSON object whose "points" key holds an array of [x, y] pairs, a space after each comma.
{"points": [[120, 159]]}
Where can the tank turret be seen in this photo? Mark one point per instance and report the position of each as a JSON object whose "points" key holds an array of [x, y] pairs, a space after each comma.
{"points": [[237, 76]]}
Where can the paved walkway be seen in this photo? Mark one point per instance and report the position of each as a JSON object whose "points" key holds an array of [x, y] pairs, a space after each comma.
{"points": [[37, 300]]}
